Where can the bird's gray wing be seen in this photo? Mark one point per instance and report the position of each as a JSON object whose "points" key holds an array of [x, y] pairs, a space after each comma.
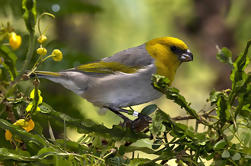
{"points": [[126, 61], [134, 57]]}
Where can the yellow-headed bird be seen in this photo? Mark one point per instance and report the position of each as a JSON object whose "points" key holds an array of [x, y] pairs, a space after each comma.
{"points": [[124, 79]]}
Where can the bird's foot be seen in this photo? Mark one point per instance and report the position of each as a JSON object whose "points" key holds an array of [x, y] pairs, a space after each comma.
{"points": [[141, 122]]}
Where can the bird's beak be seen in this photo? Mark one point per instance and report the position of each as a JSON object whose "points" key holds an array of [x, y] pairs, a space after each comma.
{"points": [[186, 56]]}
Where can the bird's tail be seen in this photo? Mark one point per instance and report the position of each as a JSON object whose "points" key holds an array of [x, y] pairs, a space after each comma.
{"points": [[67, 79], [52, 76], [46, 74]]}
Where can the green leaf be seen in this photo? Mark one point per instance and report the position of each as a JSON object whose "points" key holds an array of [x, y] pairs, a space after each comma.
{"points": [[223, 109], [239, 65], [44, 153], [3, 142], [87, 126], [225, 55], [9, 60], [157, 127], [142, 162], [122, 150], [162, 84], [160, 81], [243, 91], [236, 156], [128, 149], [246, 108], [149, 109], [45, 108], [214, 95], [117, 160], [18, 155], [157, 143], [168, 154], [30, 14], [220, 145], [46, 150], [62, 161], [72, 146], [225, 154], [24, 135]]}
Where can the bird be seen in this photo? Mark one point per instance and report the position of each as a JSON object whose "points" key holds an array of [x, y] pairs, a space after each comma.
{"points": [[124, 79]]}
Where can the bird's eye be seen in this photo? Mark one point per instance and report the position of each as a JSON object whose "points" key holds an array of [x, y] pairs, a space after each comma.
{"points": [[174, 48]]}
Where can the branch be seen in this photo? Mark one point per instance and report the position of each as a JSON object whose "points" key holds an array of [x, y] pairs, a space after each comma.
{"points": [[205, 115]]}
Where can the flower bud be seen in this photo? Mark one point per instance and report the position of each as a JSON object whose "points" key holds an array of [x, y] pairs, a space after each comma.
{"points": [[57, 55], [41, 51], [41, 39], [14, 40]]}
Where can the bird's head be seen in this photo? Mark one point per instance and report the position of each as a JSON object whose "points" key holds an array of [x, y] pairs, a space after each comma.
{"points": [[169, 53]]}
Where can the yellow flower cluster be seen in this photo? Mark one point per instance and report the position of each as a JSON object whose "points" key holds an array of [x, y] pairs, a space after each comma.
{"points": [[26, 125], [56, 54], [41, 50]]}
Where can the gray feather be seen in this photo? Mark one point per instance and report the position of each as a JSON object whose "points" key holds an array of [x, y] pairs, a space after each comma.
{"points": [[136, 56]]}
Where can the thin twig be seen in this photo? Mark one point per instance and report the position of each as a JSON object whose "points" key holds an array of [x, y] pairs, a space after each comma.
{"points": [[178, 118], [205, 115]]}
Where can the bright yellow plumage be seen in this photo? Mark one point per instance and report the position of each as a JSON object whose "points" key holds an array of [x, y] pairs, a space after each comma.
{"points": [[166, 60]]}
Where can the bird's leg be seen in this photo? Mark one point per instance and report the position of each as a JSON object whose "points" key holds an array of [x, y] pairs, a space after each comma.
{"points": [[117, 111], [141, 122], [139, 115], [138, 124], [133, 112]]}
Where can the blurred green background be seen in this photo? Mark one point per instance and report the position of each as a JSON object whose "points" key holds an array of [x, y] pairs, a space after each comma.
{"points": [[88, 30]]}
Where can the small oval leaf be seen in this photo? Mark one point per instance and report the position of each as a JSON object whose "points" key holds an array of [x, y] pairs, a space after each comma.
{"points": [[149, 109], [225, 154], [220, 145], [236, 156]]}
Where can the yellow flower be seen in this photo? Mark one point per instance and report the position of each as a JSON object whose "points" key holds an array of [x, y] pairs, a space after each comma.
{"points": [[26, 125], [29, 125], [57, 55], [20, 122], [41, 51], [15, 40], [8, 135], [32, 96], [41, 39], [29, 107]]}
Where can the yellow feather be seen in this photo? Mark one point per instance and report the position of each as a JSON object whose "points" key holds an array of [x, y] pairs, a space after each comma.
{"points": [[48, 73], [165, 60], [107, 67]]}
